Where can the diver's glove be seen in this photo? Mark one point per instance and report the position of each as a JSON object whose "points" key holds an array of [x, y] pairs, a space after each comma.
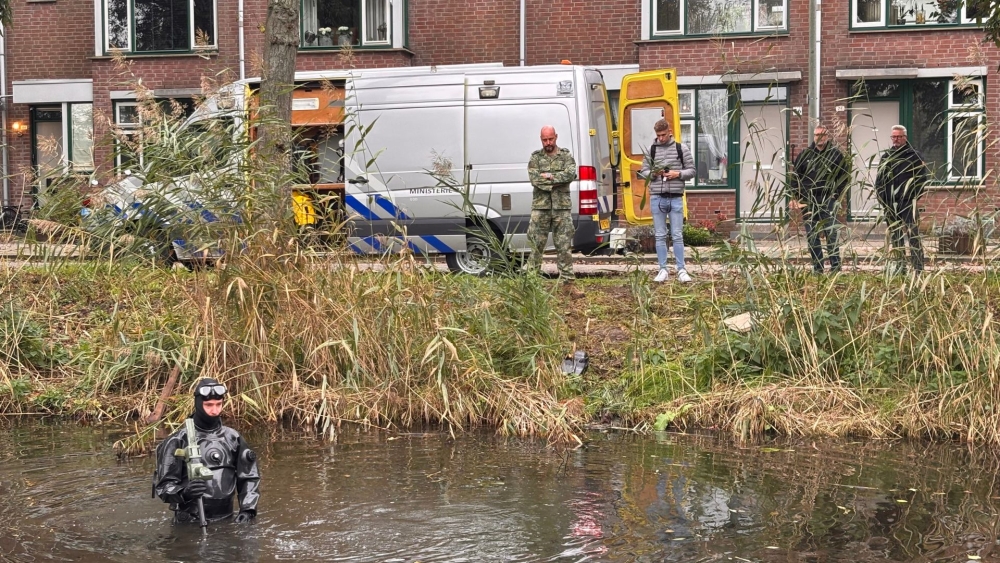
{"points": [[195, 489], [245, 517]]}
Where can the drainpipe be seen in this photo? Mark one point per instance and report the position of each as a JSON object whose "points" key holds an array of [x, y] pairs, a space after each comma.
{"points": [[5, 199], [243, 65], [815, 41], [524, 44]]}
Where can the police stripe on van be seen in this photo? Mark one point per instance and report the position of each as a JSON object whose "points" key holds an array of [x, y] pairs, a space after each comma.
{"points": [[604, 203], [379, 244], [383, 207]]}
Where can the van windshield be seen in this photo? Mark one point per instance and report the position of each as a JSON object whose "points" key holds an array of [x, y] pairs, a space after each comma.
{"points": [[213, 141]]}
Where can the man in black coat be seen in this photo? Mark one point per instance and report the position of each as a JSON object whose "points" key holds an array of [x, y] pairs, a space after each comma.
{"points": [[902, 177], [818, 184]]}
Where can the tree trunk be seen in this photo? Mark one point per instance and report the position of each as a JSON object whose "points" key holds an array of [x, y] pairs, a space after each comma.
{"points": [[277, 81]]}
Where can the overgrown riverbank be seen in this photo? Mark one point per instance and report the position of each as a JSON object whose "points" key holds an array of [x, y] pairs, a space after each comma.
{"points": [[316, 342]]}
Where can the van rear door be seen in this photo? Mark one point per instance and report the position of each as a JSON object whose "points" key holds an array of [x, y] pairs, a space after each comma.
{"points": [[646, 97], [600, 146]]}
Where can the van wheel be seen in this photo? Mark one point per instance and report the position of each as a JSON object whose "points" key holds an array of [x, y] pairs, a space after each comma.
{"points": [[474, 260]]}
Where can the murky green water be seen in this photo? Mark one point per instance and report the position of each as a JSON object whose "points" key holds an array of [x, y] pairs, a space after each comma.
{"points": [[426, 497]]}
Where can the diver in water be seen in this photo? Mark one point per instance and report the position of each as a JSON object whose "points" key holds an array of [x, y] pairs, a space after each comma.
{"points": [[232, 463]]}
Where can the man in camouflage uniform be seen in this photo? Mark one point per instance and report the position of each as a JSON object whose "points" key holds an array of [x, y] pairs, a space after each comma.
{"points": [[551, 169]]}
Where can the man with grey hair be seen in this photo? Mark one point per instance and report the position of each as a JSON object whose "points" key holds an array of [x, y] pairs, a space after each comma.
{"points": [[817, 184], [901, 180]]}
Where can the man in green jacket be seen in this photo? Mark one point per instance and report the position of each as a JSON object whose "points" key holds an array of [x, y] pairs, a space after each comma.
{"points": [[551, 169]]}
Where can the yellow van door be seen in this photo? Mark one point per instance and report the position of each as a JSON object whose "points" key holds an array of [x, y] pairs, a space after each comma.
{"points": [[645, 98]]}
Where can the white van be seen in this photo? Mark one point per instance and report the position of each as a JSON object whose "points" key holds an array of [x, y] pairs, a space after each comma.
{"points": [[476, 125]]}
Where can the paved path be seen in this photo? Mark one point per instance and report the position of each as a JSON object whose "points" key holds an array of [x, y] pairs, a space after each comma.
{"points": [[864, 255]]}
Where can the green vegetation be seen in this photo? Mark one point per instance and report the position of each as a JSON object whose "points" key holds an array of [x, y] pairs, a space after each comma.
{"points": [[305, 334]]}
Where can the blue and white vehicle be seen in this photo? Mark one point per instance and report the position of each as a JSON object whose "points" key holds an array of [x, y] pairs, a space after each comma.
{"points": [[375, 135]]}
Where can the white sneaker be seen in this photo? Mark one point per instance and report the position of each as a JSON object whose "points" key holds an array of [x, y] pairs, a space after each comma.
{"points": [[662, 276], [683, 277]]}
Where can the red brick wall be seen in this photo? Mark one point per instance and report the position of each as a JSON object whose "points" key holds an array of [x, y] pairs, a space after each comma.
{"points": [[464, 31], [582, 31], [46, 41]]}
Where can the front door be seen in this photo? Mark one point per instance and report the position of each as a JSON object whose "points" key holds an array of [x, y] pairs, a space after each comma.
{"points": [[870, 125], [762, 162], [47, 146]]}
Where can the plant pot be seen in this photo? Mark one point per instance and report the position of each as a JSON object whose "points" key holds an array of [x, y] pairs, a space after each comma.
{"points": [[963, 243], [344, 39], [647, 244]]}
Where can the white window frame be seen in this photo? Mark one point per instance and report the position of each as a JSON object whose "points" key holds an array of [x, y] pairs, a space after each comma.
{"points": [[977, 83], [951, 145], [784, 17], [215, 31], [680, 20], [690, 138], [387, 8], [965, 20], [856, 19], [756, 26], [107, 27], [964, 111], [131, 23], [128, 130], [689, 94]]}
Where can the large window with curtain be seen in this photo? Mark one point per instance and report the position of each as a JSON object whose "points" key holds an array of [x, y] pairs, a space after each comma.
{"points": [[717, 17], [151, 26], [341, 23]]}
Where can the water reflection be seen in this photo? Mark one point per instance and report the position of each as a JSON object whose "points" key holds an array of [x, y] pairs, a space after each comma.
{"points": [[427, 497]]}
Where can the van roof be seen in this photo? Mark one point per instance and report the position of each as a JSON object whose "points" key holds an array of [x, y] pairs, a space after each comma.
{"points": [[475, 69]]}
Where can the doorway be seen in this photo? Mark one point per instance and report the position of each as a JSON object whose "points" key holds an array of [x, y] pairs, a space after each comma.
{"points": [[762, 162], [46, 146], [871, 122]]}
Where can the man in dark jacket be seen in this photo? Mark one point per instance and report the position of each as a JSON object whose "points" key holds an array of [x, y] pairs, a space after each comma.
{"points": [[902, 177], [818, 184], [223, 450]]}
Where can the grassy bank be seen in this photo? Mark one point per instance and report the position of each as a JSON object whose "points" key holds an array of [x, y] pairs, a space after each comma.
{"points": [[317, 342]]}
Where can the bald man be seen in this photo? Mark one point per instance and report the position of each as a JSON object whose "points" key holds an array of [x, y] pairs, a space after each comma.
{"points": [[551, 169]]}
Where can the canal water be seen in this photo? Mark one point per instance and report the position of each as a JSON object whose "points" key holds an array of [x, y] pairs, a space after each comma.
{"points": [[428, 497]]}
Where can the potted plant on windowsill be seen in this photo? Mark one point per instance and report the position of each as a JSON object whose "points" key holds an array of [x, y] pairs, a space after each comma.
{"points": [[325, 39], [344, 36]]}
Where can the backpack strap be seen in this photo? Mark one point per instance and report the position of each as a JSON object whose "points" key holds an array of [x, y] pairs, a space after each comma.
{"points": [[680, 154], [652, 155]]}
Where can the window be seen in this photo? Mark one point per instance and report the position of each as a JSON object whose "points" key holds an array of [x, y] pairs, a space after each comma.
{"points": [[329, 23], [944, 120], [129, 133], [965, 130], [81, 137], [150, 26], [712, 121], [62, 140], [713, 17], [128, 144], [916, 13]]}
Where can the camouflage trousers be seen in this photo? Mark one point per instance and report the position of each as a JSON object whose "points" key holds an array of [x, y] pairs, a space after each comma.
{"points": [[560, 223]]}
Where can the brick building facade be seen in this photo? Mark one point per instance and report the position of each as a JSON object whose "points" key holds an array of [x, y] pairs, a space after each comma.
{"points": [[743, 69]]}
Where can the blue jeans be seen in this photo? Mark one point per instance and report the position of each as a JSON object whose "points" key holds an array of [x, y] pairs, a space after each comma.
{"points": [[672, 207]]}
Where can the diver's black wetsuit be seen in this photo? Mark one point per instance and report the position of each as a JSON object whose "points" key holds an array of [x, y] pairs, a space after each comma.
{"points": [[224, 451]]}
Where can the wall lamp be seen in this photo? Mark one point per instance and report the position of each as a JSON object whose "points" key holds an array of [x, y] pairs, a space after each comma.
{"points": [[18, 128]]}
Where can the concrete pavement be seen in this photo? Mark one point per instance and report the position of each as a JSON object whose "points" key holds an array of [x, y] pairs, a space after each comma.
{"points": [[863, 253]]}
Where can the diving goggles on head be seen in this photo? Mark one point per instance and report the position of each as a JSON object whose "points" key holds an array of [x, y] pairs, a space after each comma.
{"points": [[217, 389]]}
